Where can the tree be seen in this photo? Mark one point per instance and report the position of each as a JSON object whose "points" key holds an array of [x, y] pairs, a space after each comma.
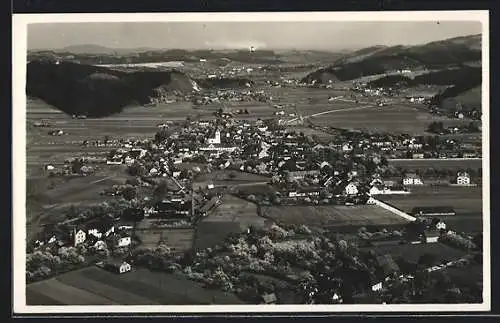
{"points": [[426, 260], [472, 127], [136, 170], [160, 190], [129, 193], [161, 136], [76, 165], [436, 127]]}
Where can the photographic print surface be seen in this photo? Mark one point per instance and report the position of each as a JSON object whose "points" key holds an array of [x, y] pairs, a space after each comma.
{"points": [[329, 162]]}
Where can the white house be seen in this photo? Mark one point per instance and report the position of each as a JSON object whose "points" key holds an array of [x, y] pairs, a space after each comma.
{"points": [[375, 190], [377, 287], [100, 245], [346, 147], [79, 237], [441, 225], [95, 233], [412, 179], [124, 242], [110, 231], [351, 189], [463, 178]]}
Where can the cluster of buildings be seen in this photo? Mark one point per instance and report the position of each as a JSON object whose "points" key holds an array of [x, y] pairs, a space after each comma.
{"points": [[97, 233], [218, 96]]}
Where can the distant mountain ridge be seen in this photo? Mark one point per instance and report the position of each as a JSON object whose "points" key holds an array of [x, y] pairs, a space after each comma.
{"points": [[381, 59]]}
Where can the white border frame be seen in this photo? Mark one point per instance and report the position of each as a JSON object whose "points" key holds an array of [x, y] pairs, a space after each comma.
{"points": [[19, 50]]}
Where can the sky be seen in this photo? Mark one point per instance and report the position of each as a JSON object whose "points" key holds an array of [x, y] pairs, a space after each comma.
{"points": [[241, 35]]}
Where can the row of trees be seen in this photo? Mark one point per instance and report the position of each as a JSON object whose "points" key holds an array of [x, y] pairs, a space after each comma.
{"points": [[42, 264]]}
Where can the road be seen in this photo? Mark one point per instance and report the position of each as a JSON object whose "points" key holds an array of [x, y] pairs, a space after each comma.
{"points": [[243, 184], [102, 179], [368, 105]]}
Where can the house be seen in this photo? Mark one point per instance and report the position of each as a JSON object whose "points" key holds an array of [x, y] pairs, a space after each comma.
{"points": [[79, 237], [431, 236], [441, 225], [118, 267], [412, 179], [96, 243], [347, 147], [463, 178], [377, 287], [124, 242], [351, 189], [269, 298], [377, 190]]}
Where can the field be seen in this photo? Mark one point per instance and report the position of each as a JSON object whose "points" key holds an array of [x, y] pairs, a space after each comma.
{"points": [[94, 286], [179, 240], [412, 252], [223, 178], [232, 215], [393, 118], [338, 218], [423, 164], [466, 201]]}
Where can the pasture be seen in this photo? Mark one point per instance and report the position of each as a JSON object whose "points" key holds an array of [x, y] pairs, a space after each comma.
{"points": [[228, 178], [337, 218], [393, 118], [94, 286], [466, 201]]}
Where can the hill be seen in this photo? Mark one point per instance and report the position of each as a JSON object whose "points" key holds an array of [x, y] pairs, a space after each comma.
{"points": [[100, 91], [466, 75], [379, 59]]}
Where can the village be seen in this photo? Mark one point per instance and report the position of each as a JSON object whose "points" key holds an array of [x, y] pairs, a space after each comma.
{"points": [[173, 185]]}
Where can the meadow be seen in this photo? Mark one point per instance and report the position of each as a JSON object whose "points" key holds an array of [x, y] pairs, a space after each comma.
{"points": [[336, 218], [94, 286], [466, 201]]}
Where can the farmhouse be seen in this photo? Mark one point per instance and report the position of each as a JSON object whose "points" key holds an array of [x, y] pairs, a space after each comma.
{"points": [[351, 189], [118, 267], [78, 236], [463, 178], [412, 179], [124, 242]]}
